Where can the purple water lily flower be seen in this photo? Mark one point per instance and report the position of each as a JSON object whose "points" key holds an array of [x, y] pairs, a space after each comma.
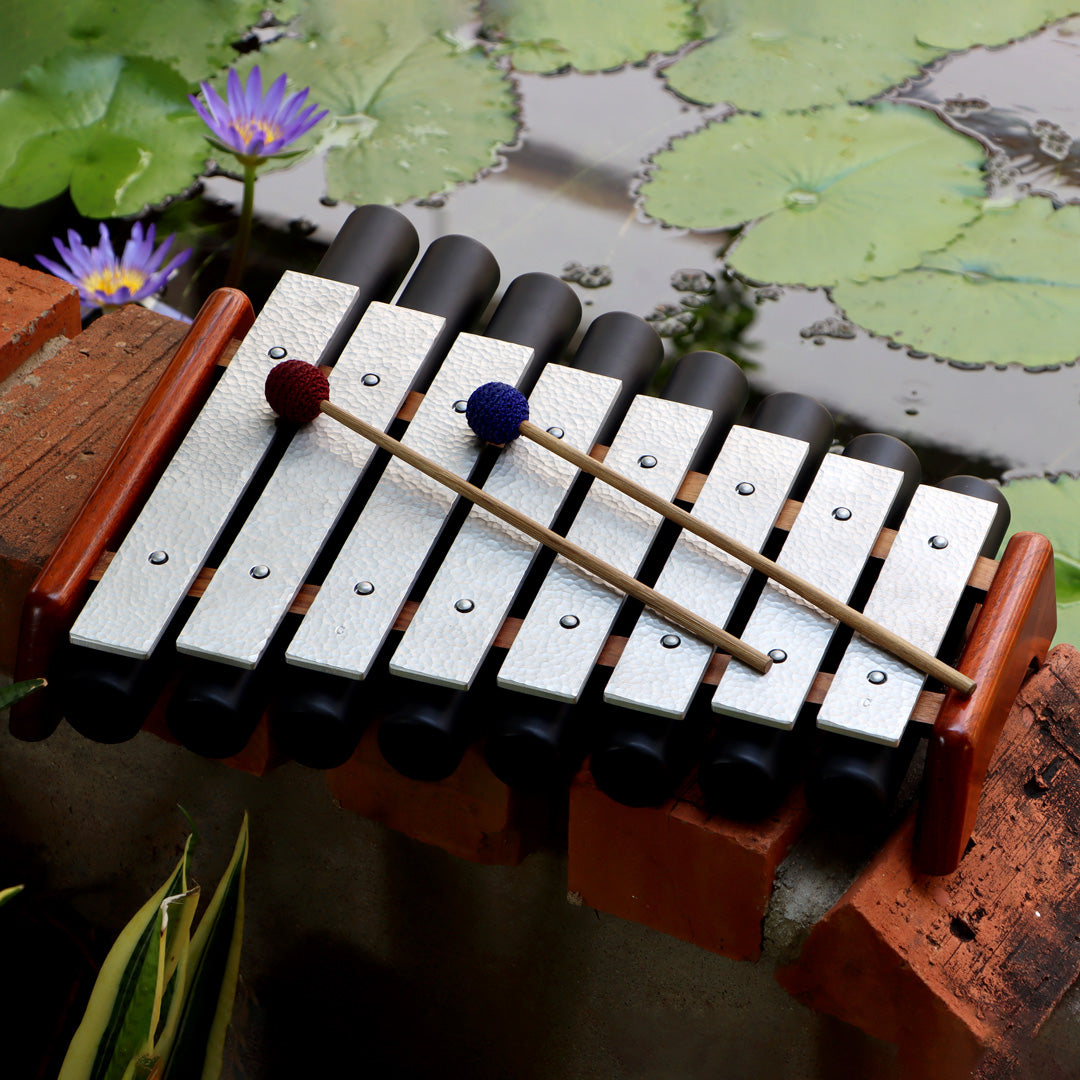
{"points": [[102, 278], [251, 126]]}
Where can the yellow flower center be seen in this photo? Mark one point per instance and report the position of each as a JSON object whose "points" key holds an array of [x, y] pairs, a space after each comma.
{"points": [[112, 279], [249, 130]]}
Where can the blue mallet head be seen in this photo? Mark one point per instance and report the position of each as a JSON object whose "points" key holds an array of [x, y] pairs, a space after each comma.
{"points": [[495, 412]]}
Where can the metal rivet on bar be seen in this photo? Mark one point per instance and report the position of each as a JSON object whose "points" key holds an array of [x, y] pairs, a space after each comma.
{"points": [[464, 606], [939, 542], [460, 405], [557, 432], [842, 513], [647, 461], [777, 656], [744, 488], [876, 677], [260, 572], [671, 641], [370, 379], [363, 588], [158, 557], [568, 622], [277, 353]]}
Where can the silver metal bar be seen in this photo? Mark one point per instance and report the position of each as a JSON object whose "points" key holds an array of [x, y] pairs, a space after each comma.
{"points": [[269, 560], [370, 580], [828, 545], [569, 621], [465, 606], [873, 694], [185, 514], [661, 667]]}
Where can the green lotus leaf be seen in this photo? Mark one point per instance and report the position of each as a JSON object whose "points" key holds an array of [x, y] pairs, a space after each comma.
{"points": [[412, 112], [770, 55], [845, 193], [1052, 507], [192, 36], [589, 35], [1007, 291], [960, 24], [119, 131]]}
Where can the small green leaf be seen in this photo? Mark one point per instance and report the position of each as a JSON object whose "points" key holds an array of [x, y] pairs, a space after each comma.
{"points": [[1052, 507], [213, 966], [959, 24], [118, 1024], [773, 55], [10, 893], [588, 35], [118, 130], [845, 193], [1005, 292], [17, 691], [412, 112], [193, 36]]}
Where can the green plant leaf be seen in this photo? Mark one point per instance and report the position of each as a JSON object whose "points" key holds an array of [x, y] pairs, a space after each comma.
{"points": [[1007, 291], [10, 893], [845, 193], [17, 691], [118, 130], [1052, 507], [213, 965], [118, 1025], [589, 35], [770, 55], [412, 112], [959, 24], [193, 36]]}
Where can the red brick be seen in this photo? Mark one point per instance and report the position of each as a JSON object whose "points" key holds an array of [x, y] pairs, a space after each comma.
{"points": [[951, 967], [675, 869], [59, 425], [34, 308], [471, 814]]}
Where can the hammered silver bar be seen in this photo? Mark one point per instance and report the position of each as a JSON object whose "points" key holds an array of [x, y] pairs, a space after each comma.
{"points": [[170, 540], [662, 665], [828, 545], [370, 580], [461, 614], [569, 621], [916, 596], [272, 554]]}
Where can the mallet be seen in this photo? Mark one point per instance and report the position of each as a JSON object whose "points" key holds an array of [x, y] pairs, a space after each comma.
{"points": [[499, 413], [299, 391]]}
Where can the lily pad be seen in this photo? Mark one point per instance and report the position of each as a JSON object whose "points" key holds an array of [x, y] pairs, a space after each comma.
{"points": [[1052, 507], [770, 55], [194, 36], [1007, 291], [959, 24], [845, 193], [588, 35], [412, 111], [118, 130]]}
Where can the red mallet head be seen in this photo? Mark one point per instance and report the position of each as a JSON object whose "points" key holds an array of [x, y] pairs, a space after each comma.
{"points": [[295, 389]]}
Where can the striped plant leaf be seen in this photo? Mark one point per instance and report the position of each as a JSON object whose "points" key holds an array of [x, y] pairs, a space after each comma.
{"points": [[9, 893], [17, 691], [213, 964], [118, 1026]]}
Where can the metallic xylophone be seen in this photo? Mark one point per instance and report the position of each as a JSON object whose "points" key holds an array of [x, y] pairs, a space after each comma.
{"points": [[299, 573]]}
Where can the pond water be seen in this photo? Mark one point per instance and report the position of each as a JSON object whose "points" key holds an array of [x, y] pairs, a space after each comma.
{"points": [[562, 202]]}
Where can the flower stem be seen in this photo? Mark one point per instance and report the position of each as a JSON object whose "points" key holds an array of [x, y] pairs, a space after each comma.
{"points": [[243, 232]]}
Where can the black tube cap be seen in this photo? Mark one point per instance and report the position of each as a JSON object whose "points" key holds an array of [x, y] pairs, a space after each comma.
{"points": [[798, 417], [540, 312], [711, 381], [977, 488], [373, 250]]}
